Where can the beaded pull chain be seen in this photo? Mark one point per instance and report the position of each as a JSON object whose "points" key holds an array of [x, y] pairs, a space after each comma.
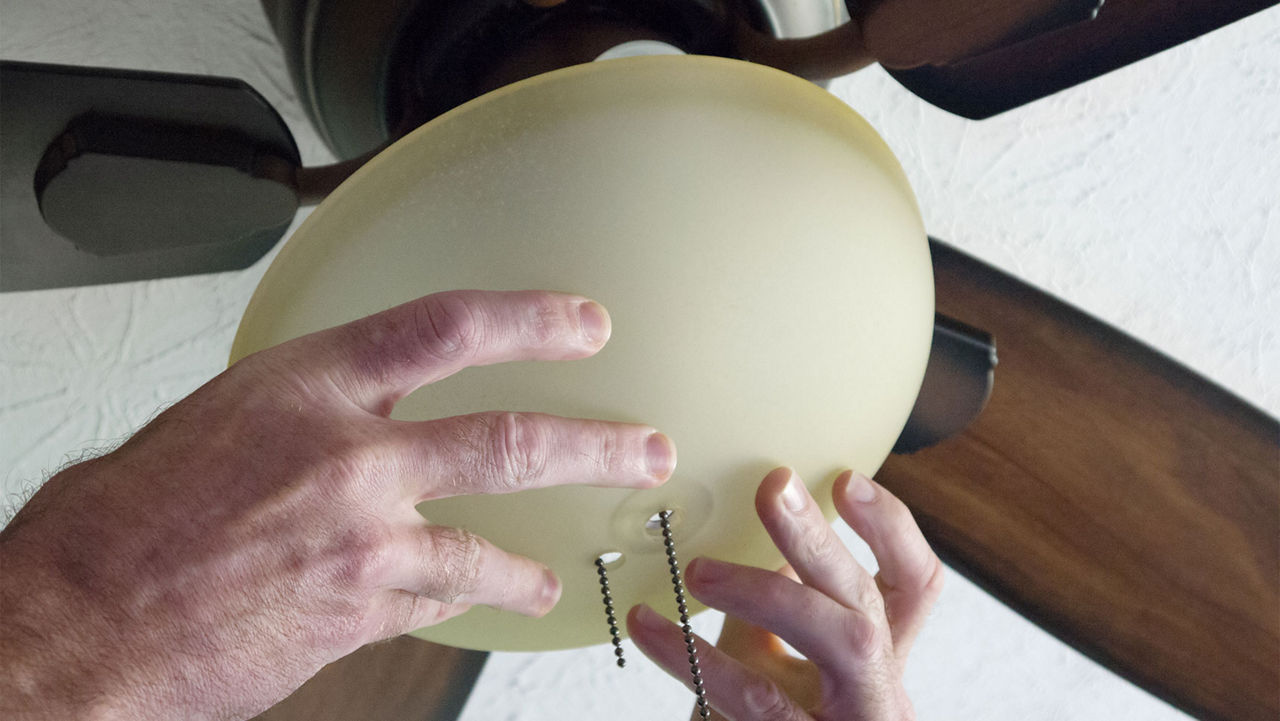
{"points": [[664, 520], [608, 610], [704, 710]]}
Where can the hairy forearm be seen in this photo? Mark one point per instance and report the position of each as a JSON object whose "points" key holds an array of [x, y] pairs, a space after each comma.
{"points": [[39, 682], [50, 639]]}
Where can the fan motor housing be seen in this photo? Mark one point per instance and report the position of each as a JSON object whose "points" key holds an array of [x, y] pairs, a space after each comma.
{"points": [[368, 72]]}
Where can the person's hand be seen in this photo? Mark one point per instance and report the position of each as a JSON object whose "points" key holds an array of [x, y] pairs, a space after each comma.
{"points": [[854, 630], [265, 525]]}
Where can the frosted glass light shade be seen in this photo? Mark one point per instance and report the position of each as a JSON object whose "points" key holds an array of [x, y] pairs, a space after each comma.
{"points": [[756, 244]]}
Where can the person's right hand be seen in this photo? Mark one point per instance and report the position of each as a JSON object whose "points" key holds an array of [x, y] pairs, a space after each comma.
{"points": [[854, 630], [265, 525]]}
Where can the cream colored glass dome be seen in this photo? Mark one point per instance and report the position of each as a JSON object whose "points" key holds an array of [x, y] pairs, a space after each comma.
{"points": [[756, 244]]}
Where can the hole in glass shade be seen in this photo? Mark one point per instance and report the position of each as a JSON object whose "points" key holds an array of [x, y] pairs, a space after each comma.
{"points": [[653, 526]]}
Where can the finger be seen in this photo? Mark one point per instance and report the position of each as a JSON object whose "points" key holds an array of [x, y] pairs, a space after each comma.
{"points": [[506, 452], [401, 612], [379, 359], [732, 689], [455, 566], [829, 634], [818, 556], [910, 577]]}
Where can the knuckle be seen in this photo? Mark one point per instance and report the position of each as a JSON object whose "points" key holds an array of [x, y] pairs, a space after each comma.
{"points": [[411, 611], [936, 578], [611, 456], [350, 464], [817, 546], [455, 556], [518, 449], [550, 323], [361, 557], [871, 602], [767, 701], [346, 457], [447, 326], [862, 636], [403, 615]]}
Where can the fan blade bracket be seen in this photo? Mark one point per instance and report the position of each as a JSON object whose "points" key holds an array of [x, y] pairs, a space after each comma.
{"points": [[958, 380], [112, 175], [116, 185]]}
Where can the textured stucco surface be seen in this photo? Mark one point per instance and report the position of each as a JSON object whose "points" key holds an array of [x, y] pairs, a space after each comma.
{"points": [[1147, 198]]}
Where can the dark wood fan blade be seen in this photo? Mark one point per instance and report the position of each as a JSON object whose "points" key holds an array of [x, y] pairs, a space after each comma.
{"points": [[404, 679], [1113, 497], [1014, 74]]}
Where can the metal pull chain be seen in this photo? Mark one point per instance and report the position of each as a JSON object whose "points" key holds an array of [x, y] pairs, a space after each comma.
{"points": [[704, 710], [608, 610]]}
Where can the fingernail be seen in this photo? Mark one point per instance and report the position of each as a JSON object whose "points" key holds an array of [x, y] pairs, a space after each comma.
{"points": [[649, 618], [595, 321], [860, 488], [550, 589], [661, 454], [794, 495]]}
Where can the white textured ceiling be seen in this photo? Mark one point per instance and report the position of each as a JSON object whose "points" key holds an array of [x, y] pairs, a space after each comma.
{"points": [[1147, 197]]}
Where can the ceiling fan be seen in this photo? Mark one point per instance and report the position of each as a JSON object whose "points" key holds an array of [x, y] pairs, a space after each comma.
{"points": [[1006, 501]]}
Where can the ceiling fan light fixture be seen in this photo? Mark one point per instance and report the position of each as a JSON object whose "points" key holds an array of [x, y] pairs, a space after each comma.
{"points": [[760, 253]]}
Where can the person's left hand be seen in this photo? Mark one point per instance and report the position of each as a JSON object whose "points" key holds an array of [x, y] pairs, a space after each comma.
{"points": [[265, 525], [854, 630]]}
